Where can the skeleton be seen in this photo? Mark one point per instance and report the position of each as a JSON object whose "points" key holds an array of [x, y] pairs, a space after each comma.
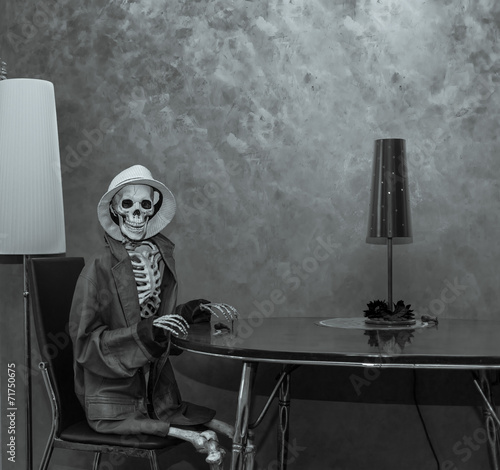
{"points": [[147, 271], [133, 206]]}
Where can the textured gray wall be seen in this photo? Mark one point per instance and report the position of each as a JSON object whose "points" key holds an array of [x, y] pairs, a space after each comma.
{"points": [[260, 116]]}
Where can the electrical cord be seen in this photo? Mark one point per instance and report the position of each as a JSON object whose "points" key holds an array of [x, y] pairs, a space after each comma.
{"points": [[429, 441]]}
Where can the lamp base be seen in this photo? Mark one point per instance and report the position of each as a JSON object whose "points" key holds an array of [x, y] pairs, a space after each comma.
{"points": [[381, 311], [369, 321]]}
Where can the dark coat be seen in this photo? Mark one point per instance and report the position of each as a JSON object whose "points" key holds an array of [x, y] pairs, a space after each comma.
{"points": [[113, 347]]}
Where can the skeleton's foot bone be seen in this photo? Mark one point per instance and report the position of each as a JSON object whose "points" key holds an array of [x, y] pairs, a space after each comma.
{"points": [[205, 442], [228, 311], [215, 456], [176, 324], [215, 452]]}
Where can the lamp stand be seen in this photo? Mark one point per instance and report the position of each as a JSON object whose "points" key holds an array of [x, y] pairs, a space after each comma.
{"points": [[389, 272], [27, 363]]}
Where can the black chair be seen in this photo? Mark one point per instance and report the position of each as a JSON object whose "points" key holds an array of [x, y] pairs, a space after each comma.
{"points": [[52, 283]]}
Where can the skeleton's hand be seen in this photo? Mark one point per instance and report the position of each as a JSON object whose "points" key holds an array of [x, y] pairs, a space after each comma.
{"points": [[229, 312], [173, 323]]}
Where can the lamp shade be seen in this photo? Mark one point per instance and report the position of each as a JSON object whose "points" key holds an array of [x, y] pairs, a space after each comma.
{"points": [[31, 201], [389, 215]]}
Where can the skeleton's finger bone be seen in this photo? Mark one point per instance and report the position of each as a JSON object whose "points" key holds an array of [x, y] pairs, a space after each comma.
{"points": [[227, 310], [172, 321], [233, 310], [173, 317], [174, 332], [211, 308], [179, 318], [174, 329]]}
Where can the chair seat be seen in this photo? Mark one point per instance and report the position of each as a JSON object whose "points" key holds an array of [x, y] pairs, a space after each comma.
{"points": [[82, 433]]}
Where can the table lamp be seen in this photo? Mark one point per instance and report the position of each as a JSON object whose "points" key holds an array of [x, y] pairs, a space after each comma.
{"points": [[389, 216], [31, 200]]}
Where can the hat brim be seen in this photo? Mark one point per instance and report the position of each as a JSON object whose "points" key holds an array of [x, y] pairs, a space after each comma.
{"points": [[156, 224]]}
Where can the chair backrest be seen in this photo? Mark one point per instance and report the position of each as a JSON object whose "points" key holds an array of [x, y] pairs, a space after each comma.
{"points": [[52, 284]]}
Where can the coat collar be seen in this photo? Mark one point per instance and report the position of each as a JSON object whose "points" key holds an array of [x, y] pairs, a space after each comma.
{"points": [[124, 276], [165, 246]]}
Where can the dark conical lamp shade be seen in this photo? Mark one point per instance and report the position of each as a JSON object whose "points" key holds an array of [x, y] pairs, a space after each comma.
{"points": [[389, 215]]}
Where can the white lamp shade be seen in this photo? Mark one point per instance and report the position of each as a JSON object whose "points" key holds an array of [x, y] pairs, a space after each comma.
{"points": [[31, 200]]}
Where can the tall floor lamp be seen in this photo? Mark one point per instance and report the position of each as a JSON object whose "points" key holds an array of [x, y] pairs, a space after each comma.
{"points": [[31, 201], [389, 217]]}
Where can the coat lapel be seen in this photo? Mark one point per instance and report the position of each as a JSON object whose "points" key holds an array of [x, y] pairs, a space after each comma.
{"points": [[123, 277], [166, 248], [169, 281], [127, 291]]}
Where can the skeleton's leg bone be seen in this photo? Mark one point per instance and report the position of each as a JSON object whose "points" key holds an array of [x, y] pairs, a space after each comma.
{"points": [[222, 427], [204, 443]]}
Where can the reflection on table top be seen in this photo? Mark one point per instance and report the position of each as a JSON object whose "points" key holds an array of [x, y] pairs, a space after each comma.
{"points": [[452, 344]]}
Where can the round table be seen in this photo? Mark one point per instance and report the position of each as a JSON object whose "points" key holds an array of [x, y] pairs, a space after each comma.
{"points": [[294, 341]]}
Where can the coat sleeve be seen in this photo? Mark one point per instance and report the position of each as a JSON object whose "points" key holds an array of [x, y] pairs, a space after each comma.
{"points": [[110, 353], [192, 313]]}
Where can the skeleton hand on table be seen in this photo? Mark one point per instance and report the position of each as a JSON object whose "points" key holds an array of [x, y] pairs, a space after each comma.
{"points": [[176, 324], [226, 310]]}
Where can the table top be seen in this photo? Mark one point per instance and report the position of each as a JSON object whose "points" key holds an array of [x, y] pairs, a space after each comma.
{"points": [[451, 344]]}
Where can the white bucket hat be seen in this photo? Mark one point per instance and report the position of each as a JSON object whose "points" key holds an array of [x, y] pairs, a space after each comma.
{"points": [[137, 174]]}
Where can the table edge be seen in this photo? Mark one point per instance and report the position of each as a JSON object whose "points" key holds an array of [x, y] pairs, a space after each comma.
{"points": [[378, 365]]}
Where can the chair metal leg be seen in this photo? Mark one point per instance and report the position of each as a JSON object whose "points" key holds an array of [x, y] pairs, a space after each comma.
{"points": [[153, 460], [97, 459], [47, 453], [43, 366], [283, 421], [242, 416]]}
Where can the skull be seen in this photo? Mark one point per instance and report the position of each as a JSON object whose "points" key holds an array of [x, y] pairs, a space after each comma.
{"points": [[133, 205]]}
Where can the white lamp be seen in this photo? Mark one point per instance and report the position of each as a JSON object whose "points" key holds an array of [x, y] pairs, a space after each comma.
{"points": [[31, 201]]}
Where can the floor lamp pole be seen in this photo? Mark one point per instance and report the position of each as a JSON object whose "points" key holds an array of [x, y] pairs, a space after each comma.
{"points": [[27, 363], [389, 272]]}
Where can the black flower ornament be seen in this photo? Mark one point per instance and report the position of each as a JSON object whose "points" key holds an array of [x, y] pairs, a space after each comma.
{"points": [[379, 310]]}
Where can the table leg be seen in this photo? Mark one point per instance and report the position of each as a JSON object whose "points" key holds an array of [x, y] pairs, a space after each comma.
{"points": [[283, 421], [490, 417], [240, 439]]}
